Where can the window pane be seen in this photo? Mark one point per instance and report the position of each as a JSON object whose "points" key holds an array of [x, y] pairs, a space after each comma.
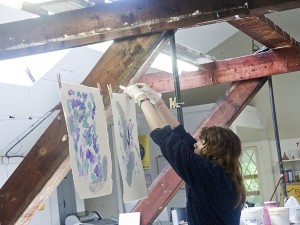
{"points": [[250, 174]]}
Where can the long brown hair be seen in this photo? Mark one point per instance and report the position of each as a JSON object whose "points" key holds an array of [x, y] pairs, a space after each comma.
{"points": [[223, 146]]}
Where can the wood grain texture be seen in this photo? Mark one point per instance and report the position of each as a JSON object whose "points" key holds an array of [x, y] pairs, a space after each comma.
{"points": [[265, 31], [119, 20], [278, 61]]}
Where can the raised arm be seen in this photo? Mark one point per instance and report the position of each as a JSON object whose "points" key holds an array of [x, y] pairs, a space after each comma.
{"points": [[156, 112], [166, 114], [162, 109], [151, 114]]}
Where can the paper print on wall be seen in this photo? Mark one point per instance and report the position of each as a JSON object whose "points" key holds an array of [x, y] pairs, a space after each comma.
{"points": [[88, 140], [127, 147]]}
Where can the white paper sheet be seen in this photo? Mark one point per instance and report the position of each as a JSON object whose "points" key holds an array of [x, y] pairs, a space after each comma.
{"points": [[130, 218], [127, 147], [88, 140]]}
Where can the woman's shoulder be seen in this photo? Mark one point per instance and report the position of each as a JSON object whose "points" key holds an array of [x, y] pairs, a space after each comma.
{"points": [[209, 167]]}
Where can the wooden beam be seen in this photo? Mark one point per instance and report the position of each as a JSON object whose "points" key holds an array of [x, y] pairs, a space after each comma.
{"points": [[38, 174], [118, 20], [232, 103], [226, 109], [278, 61], [265, 7], [265, 31]]}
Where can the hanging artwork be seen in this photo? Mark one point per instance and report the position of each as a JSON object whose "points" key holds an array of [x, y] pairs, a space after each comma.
{"points": [[127, 146], [144, 150], [88, 140]]}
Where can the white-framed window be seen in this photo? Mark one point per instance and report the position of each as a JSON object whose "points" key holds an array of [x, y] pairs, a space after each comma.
{"points": [[250, 171]]}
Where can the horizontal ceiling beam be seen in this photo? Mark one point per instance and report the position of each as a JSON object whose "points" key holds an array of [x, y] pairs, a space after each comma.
{"points": [[275, 62], [265, 31], [105, 22]]}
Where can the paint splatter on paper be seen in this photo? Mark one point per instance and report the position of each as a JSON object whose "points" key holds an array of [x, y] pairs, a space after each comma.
{"points": [[127, 146], [88, 140]]}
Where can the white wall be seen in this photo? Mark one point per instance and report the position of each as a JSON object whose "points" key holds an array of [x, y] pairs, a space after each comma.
{"points": [[35, 101], [251, 120], [49, 215]]}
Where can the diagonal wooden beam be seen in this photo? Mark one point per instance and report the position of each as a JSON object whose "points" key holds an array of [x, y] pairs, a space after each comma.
{"points": [[278, 61], [226, 109], [122, 19], [232, 103], [39, 173], [265, 31]]}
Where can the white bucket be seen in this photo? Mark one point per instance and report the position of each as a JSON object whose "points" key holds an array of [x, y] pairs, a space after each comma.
{"points": [[252, 216], [294, 214], [279, 216], [297, 214]]}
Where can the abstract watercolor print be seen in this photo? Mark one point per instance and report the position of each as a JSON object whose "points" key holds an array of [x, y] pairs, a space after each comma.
{"points": [[88, 140], [127, 146]]}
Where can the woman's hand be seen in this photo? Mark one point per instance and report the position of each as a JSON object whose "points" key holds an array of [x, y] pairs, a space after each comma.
{"points": [[151, 94], [134, 91]]}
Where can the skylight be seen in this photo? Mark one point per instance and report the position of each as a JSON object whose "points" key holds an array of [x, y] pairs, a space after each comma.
{"points": [[25, 71], [15, 71], [164, 62]]}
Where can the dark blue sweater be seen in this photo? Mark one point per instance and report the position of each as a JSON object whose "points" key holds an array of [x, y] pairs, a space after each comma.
{"points": [[210, 199]]}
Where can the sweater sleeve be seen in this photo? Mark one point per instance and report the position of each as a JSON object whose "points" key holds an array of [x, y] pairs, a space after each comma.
{"points": [[161, 135], [177, 146]]}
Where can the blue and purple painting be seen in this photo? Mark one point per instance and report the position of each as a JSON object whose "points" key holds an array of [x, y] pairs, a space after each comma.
{"points": [[88, 140], [127, 146]]}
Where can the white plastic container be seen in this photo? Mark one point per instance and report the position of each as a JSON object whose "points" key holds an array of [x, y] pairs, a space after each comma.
{"points": [[294, 214], [294, 207], [279, 216], [252, 215], [298, 214]]}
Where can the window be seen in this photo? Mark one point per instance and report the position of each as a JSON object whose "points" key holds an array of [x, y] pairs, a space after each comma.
{"points": [[249, 163]]}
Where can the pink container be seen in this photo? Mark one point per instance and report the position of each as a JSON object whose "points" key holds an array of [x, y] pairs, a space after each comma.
{"points": [[267, 205]]}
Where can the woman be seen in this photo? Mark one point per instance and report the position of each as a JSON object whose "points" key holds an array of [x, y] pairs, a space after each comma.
{"points": [[209, 167]]}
